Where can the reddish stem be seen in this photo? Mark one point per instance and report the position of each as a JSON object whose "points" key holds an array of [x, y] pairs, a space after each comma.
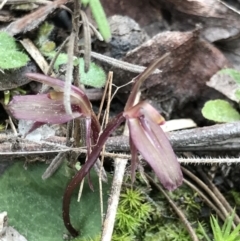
{"points": [[77, 179]]}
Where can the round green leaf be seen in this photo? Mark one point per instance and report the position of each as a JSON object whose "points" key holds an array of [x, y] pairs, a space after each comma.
{"points": [[95, 77], [220, 111]]}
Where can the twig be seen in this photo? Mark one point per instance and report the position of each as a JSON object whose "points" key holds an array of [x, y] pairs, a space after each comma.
{"points": [[87, 41], [54, 165], [120, 64], [69, 75], [3, 3], [56, 56], [205, 198], [104, 124]]}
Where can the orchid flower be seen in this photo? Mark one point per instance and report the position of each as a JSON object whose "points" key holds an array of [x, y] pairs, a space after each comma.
{"points": [[146, 136], [49, 108]]}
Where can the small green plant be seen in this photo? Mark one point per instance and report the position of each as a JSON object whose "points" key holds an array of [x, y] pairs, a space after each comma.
{"points": [[11, 57], [223, 233], [95, 77], [100, 17], [221, 110], [133, 213]]}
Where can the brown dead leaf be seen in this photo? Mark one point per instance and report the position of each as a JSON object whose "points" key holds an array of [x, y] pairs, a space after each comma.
{"points": [[184, 74], [32, 20], [218, 21]]}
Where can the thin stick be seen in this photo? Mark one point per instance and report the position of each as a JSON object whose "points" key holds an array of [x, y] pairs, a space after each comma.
{"points": [[54, 165], [120, 64], [105, 122], [207, 190], [108, 225], [56, 56], [120, 165], [87, 41], [12, 126], [103, 97], [3, 3], [205, 198], [219, 196], [69, 75]]}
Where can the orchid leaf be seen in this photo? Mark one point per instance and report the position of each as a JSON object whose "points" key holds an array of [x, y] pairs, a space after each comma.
{"points": [[220, 111], [34, 205]]}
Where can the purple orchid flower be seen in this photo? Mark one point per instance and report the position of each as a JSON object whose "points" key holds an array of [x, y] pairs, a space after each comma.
{"points": [[49, 108], [146, 136]]}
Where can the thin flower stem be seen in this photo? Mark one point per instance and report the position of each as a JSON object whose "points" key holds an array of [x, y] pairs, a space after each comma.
{"points": [[77, 179]]}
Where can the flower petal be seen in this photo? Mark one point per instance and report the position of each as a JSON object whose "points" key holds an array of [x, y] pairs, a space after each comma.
{"points": [[143, 108], [58, 85], [162, 158], [41, 108]]}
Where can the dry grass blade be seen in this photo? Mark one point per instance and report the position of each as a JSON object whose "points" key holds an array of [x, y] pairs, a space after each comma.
{"points": [[87, 41], [54, 165], [176, 209], [35, 54], [205, 198], [219, 196], [104, 123], [207, 190]]}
